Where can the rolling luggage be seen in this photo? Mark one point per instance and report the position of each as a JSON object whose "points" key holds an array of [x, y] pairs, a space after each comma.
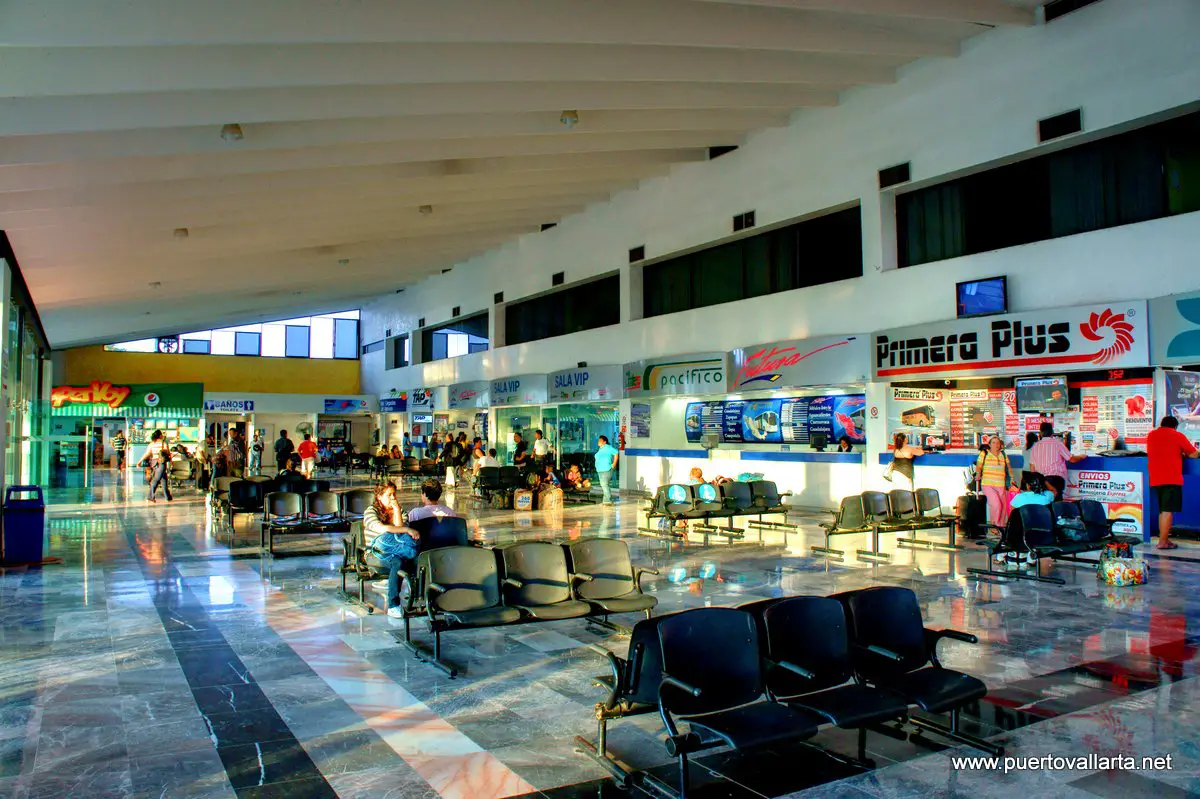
{"points": [[971, 510]]}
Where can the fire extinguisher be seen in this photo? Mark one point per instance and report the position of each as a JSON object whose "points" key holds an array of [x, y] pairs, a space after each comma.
{"points": [[621, 440]]}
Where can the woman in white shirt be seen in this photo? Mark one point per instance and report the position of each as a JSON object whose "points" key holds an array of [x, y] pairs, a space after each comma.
{"points": [[386, 537], [158, 455]]}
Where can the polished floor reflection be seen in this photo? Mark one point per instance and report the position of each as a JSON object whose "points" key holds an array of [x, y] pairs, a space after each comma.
{"points": [[163, 659]]}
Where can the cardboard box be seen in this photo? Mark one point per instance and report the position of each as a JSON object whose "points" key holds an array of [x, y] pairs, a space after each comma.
{"points": [[523, 499]]}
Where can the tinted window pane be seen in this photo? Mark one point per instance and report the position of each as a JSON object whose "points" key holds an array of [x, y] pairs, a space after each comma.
{"points": [[297, 341], [345, 338], [195, 346], [247, 343]]}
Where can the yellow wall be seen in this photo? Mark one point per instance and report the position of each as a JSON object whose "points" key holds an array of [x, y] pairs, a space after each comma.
{"points": [[82, 365]]}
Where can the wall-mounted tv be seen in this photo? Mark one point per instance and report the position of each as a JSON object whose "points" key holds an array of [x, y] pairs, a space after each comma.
{"points": [[982, 297], [1042, 394]]}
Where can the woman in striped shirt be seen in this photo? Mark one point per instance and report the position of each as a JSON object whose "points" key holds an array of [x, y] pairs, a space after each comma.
{"points": [[994, 479]]}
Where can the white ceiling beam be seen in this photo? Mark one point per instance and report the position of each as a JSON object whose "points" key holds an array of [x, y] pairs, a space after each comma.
{"points": [[984, 12], [250, 238], [145, 143], [278, 207], [252, 192], [24, 116], [72, 71], [151, 23], [455, 157]]}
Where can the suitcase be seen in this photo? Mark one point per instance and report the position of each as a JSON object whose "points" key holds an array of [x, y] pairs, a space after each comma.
{"points": [[971, 510]]}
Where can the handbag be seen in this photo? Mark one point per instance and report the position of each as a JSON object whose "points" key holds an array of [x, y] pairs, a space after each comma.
{"points": [[1072, 529]]}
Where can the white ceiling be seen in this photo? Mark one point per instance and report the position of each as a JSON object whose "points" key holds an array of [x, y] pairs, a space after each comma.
{"points": [[357, 112]]}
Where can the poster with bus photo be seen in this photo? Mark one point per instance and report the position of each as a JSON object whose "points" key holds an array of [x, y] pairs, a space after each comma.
{"points": [[922, 414]]}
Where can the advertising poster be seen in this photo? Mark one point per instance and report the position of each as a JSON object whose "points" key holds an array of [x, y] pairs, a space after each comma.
{"points": [[639, 419], [978, 414], [1183, 401], [1113, 410], [789, 420], [923, 414], [1119, 492]]}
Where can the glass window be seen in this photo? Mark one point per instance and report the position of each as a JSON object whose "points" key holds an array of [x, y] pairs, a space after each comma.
{"points": [[247, 343], [321, 342], [194, 346], [141, 345], [297, 341], [345, 338], [273, 341]]}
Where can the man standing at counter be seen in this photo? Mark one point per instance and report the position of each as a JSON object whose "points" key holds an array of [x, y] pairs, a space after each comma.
{"points": [[1049, 458], [1166, 448]]}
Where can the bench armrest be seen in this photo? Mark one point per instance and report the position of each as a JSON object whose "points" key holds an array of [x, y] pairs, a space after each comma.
{"points": [[637, 576], [583, 578], [435, 588], [799, 671], [680, 684], [513, 582], [881, 652]]}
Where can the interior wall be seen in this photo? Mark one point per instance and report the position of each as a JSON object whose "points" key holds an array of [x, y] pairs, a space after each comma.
{"points": [[275, 422], [943, 116], [229, 373]]}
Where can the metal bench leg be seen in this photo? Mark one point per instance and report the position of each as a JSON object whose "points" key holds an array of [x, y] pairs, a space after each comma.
{"points": [[955, 734], [874, 554]]}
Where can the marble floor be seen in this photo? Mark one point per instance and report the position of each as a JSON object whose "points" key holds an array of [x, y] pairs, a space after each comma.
{"points": [[163, 660]]}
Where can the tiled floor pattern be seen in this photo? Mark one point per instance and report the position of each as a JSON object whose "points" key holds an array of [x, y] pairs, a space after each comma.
{"points": [[160, 662]]}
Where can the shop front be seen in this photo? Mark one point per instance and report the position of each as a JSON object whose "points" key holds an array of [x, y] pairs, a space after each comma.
{"points": [[467, 410], [1175, 350], [778, 409], [517, 405], [952, 386], [85, 422], [392, 422], [585, 403], [346, 424]]}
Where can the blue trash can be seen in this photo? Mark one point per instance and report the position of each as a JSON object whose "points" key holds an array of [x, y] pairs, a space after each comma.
{"points": [[24, 525]]}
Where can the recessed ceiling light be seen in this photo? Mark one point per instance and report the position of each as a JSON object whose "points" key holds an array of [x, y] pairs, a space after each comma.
{"points": [[232, 132], [156, 284], [426, 210], [180, 233]]}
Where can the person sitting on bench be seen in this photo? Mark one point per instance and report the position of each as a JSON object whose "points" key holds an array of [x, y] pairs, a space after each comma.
{"points": [[390, 541], [431, 505], [575, 481]]}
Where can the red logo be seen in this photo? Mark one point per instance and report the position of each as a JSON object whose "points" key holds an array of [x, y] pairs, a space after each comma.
{"points": [[1122, 333], [765, 365]]}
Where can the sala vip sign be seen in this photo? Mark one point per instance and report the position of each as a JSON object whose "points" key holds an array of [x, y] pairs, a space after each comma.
{"points": [[98, 393]]}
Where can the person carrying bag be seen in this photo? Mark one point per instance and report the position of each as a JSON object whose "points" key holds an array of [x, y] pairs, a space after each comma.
{"points": [[994, 478]]}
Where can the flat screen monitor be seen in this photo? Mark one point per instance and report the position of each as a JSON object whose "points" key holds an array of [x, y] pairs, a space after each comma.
{"points": [[1042, 394], [982, 297]]}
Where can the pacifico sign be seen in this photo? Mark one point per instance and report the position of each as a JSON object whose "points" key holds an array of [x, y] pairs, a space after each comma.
{"points": [[687, 374], [98, 393], [1092, 337]]}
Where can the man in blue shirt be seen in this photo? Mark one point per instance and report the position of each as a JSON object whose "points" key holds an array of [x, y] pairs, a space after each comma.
{"points": [[431, 505], [606, 462]]}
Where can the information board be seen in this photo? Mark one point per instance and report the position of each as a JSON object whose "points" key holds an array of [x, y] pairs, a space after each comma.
{"points": [[1113, 410]]}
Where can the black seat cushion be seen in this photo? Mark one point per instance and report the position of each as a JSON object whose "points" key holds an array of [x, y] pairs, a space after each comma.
{"points": [[852, 705], [935, 689], [485, 617], [757, 724], [569, 609]]}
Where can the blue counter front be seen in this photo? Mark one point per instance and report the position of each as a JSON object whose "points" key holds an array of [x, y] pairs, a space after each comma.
{"points": [[1122, 483]]}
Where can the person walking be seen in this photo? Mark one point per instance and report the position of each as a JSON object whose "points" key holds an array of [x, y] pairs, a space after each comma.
{"points": [[283, 448], [606, 462], [256, 451], [308, 456], [158, 456], [1049, 458], [235, 454], [1166, 448], [118, 444], [994, 477]]}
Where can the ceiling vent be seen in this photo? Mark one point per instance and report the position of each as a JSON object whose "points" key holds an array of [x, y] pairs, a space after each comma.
{"points": [[720, 150], [637, 254], [456, 312], [547, 225], [558, 278], [1056, 127], [895, 175], [1058, 8], [743, 221], [421, 322], [498, 297]]}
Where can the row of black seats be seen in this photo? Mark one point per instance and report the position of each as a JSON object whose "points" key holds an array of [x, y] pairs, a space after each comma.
{"points": [[898, 510], [777, 671], [704, 502], [464, 587], [1061, 531], [414, 468], [287, 512]]}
